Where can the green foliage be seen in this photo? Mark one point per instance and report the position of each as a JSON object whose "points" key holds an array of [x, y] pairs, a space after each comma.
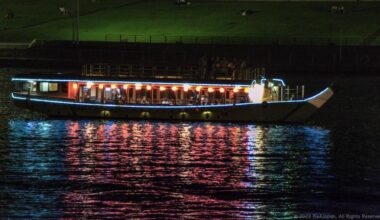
{"points": [[269, 21]]}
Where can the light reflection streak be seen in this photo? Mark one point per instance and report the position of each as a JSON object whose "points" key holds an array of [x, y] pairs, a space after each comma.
{"points": [[181, 169]]}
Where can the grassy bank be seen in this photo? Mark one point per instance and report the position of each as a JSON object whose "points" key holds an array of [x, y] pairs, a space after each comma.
{"points": [[285, 21]]}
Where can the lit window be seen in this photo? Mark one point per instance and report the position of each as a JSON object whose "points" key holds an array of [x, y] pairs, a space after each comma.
{"points": [[53, 87], [48, 87]]}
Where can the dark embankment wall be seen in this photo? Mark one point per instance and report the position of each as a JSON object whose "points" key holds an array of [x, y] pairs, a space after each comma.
{"points": [[328, 59]]}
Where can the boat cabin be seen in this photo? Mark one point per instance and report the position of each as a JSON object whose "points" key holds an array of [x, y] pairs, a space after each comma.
{"points": [[148, 92]]}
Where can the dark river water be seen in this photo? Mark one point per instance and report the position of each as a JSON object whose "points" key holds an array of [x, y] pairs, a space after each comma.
{"points": [[326, 168]]}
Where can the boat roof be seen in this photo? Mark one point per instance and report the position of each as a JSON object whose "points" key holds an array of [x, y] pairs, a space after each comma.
{"points": [[125, 80]]}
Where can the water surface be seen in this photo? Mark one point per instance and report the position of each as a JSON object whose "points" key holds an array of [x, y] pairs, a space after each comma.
{"points": [[52, 168]]}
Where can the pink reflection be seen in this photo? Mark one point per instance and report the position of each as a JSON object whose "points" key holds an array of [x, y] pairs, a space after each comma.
{"points": [[154, 159]]}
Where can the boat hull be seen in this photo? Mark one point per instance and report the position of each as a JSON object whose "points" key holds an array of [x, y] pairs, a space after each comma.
{"points": [[287, 111]]}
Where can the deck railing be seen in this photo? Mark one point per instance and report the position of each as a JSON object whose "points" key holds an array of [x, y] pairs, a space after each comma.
{"points": [[141, 71], [187, 39], [288, 93], [173, 72]]}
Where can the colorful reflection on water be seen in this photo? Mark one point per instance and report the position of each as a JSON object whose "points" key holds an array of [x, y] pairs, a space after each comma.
{"points": [[98, 169]]}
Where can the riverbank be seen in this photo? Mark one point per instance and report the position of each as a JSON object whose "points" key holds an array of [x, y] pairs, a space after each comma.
{"points": [[157, 21]]}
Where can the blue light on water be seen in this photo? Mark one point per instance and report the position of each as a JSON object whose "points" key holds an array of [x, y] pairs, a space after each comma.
{"points": [[79, 157]]}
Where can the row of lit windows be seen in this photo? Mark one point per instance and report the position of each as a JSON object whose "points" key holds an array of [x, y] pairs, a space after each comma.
{"points": [[185, 87], [42, 86]]}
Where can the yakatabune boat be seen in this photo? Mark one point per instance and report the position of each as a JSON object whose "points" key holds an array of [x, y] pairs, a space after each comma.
{"points": [[99, 97]]}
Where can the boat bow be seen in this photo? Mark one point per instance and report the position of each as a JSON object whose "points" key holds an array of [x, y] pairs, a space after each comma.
{"points": [[321, 98]]}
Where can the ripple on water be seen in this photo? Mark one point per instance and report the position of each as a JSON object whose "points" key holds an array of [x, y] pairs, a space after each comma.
{"points": [[65, 168]]}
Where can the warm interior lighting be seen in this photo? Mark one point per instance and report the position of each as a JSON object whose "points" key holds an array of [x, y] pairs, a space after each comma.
{"points": [[186, 87], [101, 86], [210, 89], [174, 88], [148, 87], [162, 88], [89, 84], [198, 88], [138, 86], [221, 90], [75, 86], [125, 86], [113, 86], [246, 90], [236, 89]]}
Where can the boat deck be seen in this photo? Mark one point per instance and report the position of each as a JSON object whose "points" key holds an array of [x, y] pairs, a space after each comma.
{"points": [[141, 102]]}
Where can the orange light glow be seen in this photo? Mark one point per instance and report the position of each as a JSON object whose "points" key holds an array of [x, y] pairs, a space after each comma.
{"points": [[236, 89], [186, 87], [89, 84], [210, 89], [221, 90], [113, 86], [148, 87], [246, 90], [125, 86], [174, 88], [198, 88], [138, 86], [162, 88], [101, 86], [75, 86]]}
